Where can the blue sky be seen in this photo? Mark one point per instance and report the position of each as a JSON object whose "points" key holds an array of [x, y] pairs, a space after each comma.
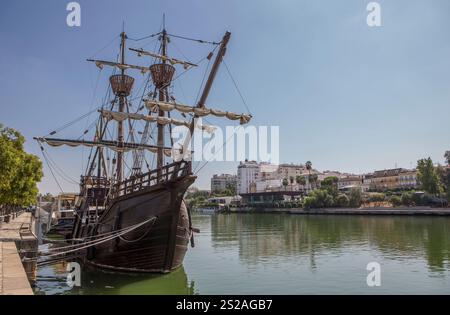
{"points": [[346, 96]]}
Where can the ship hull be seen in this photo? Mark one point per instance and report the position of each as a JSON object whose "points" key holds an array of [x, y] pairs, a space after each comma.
{"points": [[157, 246]]}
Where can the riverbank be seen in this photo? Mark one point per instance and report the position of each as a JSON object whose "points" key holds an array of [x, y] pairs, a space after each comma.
{"points": [[15, 236], [419, 211]]}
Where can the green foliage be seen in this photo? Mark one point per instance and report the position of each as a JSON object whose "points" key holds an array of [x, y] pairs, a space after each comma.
{"points": [[342, 201], [330, 184], [19, 171], [355, 198], [230, 190], [301, 180], [319, 198], [427, 176], [377, 197], [407, 199], [308, 165], [48, 197], [285, 182], [447, 157], [396, 201], [313, 180], [330, 181], [195, 198]]}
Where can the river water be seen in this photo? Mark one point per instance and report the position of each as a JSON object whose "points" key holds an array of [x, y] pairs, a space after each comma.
{"points": [[290, 254]]}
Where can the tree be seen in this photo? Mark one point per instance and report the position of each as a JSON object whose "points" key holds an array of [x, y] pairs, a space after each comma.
{"points": [[19, 171], [396, 201], [319, 198], [407, 199], [313, 180], [427, 176], [285, 183], [48, 197], [355, 198], [300, 180], [342, 200], [331, 185], [447, 157], [308, 166], [230, 190]]}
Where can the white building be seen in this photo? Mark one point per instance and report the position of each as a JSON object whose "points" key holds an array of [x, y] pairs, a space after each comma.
{"points": [[350, 182], [248, 174]]}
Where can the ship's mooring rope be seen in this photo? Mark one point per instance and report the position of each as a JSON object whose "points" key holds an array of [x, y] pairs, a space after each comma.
{"points": [[95, 242], [140, 237]]}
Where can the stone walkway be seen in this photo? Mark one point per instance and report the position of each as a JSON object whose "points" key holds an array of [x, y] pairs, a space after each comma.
{"points": [[13, 277]]}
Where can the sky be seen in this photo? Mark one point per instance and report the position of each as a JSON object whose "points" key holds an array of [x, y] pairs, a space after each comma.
{"points": [[345, 96]]}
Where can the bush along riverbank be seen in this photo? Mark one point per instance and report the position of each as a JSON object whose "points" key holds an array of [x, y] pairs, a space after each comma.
{"points": [[328, 199]]}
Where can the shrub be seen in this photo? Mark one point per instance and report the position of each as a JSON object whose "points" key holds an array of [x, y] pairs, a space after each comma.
{"points": [[377, 197], [342, 200], [318, 199], [396, 201], [407, 199], [308, 202], [355, 199]]}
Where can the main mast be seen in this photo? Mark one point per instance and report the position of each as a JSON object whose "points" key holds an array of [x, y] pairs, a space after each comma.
{"points": [[121, 109], [162, 97]]}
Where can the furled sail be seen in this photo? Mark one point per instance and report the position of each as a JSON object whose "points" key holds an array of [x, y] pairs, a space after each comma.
{"points": [[172, 61], [121, 66], [121, 116], [198, 111], [113, 145]]}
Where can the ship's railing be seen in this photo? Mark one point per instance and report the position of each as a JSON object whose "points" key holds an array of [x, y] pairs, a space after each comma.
{"points": [[95, 181], [168, 173]]}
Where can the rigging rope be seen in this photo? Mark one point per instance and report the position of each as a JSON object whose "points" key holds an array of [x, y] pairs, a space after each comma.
{"points": [[45, 158], [236, 86], [100, 241], [194, 39]]}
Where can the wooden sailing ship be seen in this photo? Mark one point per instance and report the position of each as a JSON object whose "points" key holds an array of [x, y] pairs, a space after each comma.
{"points": [[115, 203]]}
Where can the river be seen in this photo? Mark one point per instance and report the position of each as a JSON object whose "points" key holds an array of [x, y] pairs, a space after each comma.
{"points": [[290, 254]]}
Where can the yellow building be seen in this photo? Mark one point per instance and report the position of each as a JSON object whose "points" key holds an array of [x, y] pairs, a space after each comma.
{"points": [[393, 179]]}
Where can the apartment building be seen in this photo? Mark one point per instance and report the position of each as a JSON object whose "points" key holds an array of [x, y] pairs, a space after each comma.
{"points": [[220, 183], [392, 179]]}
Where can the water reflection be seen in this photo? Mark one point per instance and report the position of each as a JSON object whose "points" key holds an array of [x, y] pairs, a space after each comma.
{"points": [[288, 254], [52, 280], [272, 237]]}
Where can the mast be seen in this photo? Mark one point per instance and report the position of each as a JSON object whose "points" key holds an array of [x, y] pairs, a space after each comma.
{"points": [[162, 98], [208, 85], [121, 109], [100, 152], [214, 69]]}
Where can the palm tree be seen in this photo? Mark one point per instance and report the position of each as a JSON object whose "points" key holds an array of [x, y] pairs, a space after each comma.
{"points": [[291, 180], [308, 165]]}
